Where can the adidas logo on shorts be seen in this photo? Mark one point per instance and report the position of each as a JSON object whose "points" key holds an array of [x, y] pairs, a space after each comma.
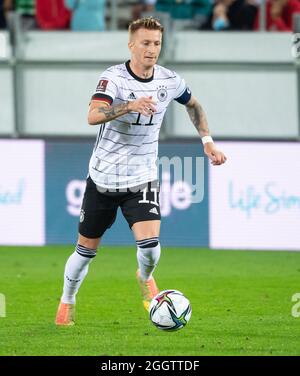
{"points": [[153, 210]]}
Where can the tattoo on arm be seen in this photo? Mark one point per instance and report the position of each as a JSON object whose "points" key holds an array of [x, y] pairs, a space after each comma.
{"points": [[112, 112], [198, 118]]}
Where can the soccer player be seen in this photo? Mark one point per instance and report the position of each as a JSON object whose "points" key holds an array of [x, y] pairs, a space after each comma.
{"points": [[129, 104]]}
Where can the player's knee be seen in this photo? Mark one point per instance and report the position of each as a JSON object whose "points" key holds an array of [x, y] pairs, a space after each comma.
{"points": [[148, 242], [88, 242], [148, 250]]}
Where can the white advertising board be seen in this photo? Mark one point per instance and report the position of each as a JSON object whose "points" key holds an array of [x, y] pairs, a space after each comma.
{"points": [[254, 199], [22, 203]]}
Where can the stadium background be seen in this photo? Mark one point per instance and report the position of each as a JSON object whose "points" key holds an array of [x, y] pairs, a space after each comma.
{"points": [[249, 85]]}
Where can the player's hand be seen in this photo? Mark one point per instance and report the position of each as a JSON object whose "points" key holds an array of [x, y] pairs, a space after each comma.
{"points": [[143, 105], [217, 157]]}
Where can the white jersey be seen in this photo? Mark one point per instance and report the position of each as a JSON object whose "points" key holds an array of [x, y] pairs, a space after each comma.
{"points": [[126, 148]]}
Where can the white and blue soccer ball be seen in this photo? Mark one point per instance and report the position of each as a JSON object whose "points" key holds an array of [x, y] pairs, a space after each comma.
{"points": [[170, 310]]}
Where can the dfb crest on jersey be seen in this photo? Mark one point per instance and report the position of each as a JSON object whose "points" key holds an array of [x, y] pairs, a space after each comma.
{"points": [[162, 93]]}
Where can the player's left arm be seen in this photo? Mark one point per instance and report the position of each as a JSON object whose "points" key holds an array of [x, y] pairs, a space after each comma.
{"points": [[198, 118]]}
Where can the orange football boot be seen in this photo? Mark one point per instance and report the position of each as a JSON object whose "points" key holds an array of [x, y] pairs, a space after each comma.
{"points": [[148, 289], [65, 314]]}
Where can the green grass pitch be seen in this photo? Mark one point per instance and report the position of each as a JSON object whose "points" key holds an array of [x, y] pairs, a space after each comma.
{"points": [[241, 303]]}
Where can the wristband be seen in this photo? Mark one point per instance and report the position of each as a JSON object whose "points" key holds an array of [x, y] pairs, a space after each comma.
{"points": [[207, 139]]}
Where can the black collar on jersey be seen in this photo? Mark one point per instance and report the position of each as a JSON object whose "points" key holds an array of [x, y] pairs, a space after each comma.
{"points": [[137, 77]]}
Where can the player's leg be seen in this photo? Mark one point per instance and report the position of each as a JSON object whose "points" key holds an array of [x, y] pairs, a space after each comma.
{"points": [[148, 253], [97, 215], [146, 235], [142, 212], [76, 269]]}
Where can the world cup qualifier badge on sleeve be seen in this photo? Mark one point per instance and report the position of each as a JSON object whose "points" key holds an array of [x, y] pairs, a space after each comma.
{"points": [[102, 85]]}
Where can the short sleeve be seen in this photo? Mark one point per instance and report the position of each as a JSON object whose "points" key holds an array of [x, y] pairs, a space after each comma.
{"points": [[107, 87], [182, 93]]}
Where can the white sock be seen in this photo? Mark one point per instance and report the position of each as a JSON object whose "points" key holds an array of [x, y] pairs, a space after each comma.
{"points": [[75, 271], [148, 254]]}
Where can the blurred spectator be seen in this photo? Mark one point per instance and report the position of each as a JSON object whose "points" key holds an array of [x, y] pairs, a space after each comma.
{"points": [[279, 15], [196, 11], [26, 9], [52, 14], [178, 9], [232, 15], [87, 15], [201, 10], [142, 6], [5, 6]]}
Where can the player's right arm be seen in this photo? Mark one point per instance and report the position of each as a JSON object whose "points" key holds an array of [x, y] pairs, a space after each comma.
{"points": [[101, 112]]}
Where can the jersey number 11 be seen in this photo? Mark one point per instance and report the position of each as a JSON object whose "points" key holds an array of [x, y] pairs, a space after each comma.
{"points": [[138, 121]]}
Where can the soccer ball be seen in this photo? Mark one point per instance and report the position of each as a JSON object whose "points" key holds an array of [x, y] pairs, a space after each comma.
{"points": [[170, 310]]}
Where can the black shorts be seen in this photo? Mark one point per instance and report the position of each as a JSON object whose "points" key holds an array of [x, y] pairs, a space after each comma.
{"points": [[99, 209]]}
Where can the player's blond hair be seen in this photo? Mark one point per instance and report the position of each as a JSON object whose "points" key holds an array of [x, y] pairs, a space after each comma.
{"points": [[149, 23]]}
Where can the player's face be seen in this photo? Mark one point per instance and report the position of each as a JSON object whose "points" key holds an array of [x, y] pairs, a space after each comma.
{"points": [[145, 46]]}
